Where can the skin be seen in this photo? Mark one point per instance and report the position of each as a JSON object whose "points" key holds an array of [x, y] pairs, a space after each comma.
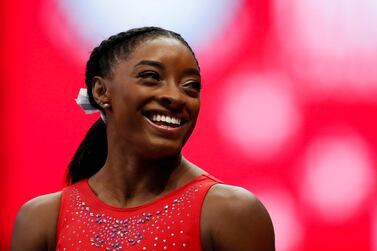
{"points": [[145, 161]]}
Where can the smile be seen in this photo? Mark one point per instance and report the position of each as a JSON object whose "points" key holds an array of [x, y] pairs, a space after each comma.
{"points": [[164, 121]]}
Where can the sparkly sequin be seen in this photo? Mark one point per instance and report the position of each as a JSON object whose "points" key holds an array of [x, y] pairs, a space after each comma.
{"points": [[85, 223]]}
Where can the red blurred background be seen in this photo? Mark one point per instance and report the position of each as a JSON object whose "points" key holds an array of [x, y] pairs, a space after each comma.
{"points": [[288, 105]]}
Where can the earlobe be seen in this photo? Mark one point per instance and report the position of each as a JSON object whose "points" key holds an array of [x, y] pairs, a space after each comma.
{"points": [[101, 92]]}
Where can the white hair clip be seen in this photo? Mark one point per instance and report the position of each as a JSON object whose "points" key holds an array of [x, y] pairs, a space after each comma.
{"points": [[83, 101]]}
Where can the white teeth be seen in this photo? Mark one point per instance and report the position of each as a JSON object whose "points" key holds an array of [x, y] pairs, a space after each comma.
{"points": [[166, 119]]}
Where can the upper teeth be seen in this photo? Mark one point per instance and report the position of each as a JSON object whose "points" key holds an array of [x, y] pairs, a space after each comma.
{"points": [[167, 119]]}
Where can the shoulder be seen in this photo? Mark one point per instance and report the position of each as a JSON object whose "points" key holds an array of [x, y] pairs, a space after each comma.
{"points": [[42, 206], [35, 224], [235, 219]]}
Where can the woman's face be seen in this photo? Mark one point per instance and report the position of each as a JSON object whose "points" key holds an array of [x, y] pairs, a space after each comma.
{"points": [[155, 97]]}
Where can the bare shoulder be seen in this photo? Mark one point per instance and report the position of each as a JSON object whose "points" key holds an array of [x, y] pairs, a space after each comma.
{"points": [[235, 219], [35, 224], [232, 197]]}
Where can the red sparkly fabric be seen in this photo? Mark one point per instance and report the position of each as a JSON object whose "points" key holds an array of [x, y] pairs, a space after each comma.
{"points": [[171, 222]]}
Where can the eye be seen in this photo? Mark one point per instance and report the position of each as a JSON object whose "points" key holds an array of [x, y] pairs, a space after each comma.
{"points": [[193, 85], [149, 75]]}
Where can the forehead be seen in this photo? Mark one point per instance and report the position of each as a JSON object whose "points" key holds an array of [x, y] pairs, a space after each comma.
{"points": [[162, 48]]}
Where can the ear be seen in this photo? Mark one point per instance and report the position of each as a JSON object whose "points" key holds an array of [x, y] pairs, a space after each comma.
{"points": [[100, 90]]}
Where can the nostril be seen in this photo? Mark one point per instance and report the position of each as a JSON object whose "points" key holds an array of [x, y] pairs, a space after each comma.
{"points": [[172, 103], [167, 100]]}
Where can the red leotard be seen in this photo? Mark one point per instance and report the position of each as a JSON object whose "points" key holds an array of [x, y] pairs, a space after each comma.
{"points": [[171, 222]]}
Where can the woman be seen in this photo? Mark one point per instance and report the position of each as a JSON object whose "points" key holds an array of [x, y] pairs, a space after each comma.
{"points": [[131, 187]]}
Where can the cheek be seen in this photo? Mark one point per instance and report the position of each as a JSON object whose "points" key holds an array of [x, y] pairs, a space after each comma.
{"points": [[124, 108], [128, 96], [196, 108]]}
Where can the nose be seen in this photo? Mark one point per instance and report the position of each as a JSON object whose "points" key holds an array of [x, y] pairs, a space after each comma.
{"points": [[171, 97]]}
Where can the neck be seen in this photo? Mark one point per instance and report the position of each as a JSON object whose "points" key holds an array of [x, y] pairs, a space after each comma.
{"points": [[127, 180]]}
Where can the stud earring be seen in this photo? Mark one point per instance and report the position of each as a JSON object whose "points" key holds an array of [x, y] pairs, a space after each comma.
{"points": [[105, 105]]}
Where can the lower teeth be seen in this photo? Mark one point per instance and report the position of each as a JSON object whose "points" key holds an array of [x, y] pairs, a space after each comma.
{"points": [[159, 123]]}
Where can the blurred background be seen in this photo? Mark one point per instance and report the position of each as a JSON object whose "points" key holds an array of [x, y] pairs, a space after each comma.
{"points": [[288, 104]]}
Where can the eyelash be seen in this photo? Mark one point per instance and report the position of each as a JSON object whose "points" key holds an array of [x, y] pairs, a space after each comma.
{"points": [[149, 75], [152, 75], [194, 85]]}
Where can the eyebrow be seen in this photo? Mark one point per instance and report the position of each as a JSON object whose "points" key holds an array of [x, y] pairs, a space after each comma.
{"points": [[192, 71], [151, 63], [188, 71]]}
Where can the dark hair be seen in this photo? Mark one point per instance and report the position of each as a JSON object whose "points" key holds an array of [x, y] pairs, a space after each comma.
{"points": [[92, 152]]}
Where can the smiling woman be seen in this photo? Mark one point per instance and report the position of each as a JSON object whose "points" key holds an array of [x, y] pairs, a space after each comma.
{"points": [[129, 187]]}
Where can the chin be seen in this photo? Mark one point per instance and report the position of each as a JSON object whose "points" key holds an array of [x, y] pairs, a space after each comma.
{"points": [[163, 149]]}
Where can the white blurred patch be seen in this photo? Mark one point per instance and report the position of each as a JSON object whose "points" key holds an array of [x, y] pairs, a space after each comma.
{"points": [[338, 176], [288, 228], [198, 21], [330, 44], [259, 114]]}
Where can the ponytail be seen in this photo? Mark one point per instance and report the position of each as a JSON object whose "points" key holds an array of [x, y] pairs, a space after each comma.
{"points": [[90, 155]]}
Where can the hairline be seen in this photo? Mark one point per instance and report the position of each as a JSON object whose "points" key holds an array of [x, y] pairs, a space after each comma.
{"points": [[124, 56]]}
